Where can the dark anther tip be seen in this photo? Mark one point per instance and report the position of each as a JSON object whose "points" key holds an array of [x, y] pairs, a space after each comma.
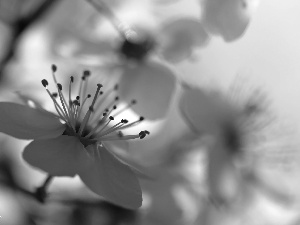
{"points": [[133, 102], [44, 82], [59, 86], [124, 121], [77, 97], [89, 96], [72, 79], [147, 132], [111, 118], [116, 87], [75, 102], [99, 85], [54, 68], [116, 98], [91, 108], [54, 95], [142, 118], [86, 73], [114, 107], [104, 114], [142, 134]]}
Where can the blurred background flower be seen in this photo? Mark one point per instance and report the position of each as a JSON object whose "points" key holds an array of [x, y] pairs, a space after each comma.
{"points": [[203, 44]]}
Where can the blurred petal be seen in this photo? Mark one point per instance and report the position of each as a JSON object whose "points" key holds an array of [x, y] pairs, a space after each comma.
{"points": [[27, 123], [198, 110], [152, 85], [29, 100], [110, 178], [223, 178], [181, 37], [62, 156], [227, 18]]}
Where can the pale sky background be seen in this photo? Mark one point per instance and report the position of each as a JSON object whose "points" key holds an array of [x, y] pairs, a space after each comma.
{"points": [[268, 54]]}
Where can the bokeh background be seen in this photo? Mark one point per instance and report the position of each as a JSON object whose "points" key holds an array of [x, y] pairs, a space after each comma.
{"points": [[177, 187]]}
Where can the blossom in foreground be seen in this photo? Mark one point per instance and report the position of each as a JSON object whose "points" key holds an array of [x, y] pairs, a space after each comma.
{"points": [[227, 18], [234, 131], [140, 52], [73, 140]]}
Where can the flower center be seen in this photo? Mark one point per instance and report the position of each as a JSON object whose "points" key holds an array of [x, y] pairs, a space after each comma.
{"points": [[96, 125], [137, 48]]}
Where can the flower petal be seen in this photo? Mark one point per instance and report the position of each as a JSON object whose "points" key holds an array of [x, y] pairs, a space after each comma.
{"points": [[152, 85], [180, 37], [27, 123], [198, 110], [112, 179], [227, 18], [224, 179], [61, 156]]}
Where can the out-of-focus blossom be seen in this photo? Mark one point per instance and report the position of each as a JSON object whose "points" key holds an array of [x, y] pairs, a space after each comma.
{"points": [[139, 50], [232, 131], [73, 141], [227, 18]]}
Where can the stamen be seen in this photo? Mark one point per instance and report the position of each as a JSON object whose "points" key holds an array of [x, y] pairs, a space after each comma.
{"points": [[88, 114], [57, 106], [106, 94], [112, 129], [70, 90], [54, 69], [100, 123], [84, 101], [133, 123], [107, 113], [63, 101], [86, 74], [133, 102], [117, 137]]}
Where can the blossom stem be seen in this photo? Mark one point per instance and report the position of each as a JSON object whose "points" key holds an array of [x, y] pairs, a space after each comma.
{"points": [[41, 192], [122, 28]]}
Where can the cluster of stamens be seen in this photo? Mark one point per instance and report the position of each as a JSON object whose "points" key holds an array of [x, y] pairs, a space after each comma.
{"points": [[93, 126]]}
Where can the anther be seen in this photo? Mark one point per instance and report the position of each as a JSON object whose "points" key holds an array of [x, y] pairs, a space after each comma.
{"points": [[116, 87], [147, 132], [54, 94], [142, 118], [142, 134], [116, 98], [77, 98], [124, 121], [89, 95], [72, 79], [59, 86], [54, 68], [120, 134], [111, 118], [133, 102], [86, 73], [75, 102], [44, 83]]}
